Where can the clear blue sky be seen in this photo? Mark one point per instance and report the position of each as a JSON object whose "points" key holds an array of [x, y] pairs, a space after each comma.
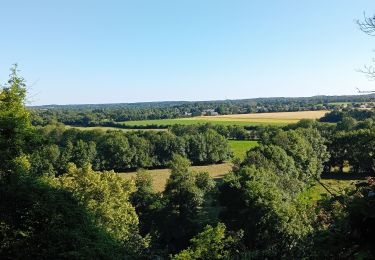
{"points": [[130, 51]]}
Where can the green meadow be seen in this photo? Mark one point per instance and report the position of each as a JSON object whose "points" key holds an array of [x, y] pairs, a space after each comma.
{"points": [[240, 148], [316, 191]]}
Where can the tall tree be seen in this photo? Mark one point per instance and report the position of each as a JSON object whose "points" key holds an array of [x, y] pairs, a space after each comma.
{"points": [[114, 152], [184, 195], [146, 201], [14, 124], [107, 197], [273, 221]]}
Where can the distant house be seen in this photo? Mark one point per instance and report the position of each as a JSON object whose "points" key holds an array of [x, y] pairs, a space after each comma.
{"points": [[209, 112], [187, 114]]}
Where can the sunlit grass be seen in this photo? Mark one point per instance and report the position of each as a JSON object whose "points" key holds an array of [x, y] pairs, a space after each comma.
{"points": [[316, 192], [240, 148]]}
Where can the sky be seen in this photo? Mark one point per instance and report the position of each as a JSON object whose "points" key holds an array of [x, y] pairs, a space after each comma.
{"points": [[79, 52]]}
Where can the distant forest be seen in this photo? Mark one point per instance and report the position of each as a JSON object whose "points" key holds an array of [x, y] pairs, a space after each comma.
{"points": [[109, 114]]}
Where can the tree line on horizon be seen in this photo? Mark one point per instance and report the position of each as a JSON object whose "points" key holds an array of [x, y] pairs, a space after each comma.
{"points": [[114, 114]]}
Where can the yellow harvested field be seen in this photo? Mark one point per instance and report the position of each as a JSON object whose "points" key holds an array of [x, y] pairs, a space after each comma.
{"points": [[275, 116], [160, 176]]}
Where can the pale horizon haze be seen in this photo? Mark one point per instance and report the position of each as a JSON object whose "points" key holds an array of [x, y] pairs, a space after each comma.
{"points": [[80, 52]]}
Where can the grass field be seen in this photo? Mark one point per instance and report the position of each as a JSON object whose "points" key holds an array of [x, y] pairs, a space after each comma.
{"points": [[160, 176], [240, 148], [277, 119], [317, 192]]}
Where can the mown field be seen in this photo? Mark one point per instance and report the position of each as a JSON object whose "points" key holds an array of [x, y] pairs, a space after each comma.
{"points": [[317, 191], [240, 148], [276, 119]]}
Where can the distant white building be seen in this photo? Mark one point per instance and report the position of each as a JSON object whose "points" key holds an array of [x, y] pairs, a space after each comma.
{"points": [[209, 112], [187, 114]]}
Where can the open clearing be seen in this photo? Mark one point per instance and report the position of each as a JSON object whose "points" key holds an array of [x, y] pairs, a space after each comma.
{"points": [[240, 148], [160, 176], [317, 192], [278, 119]]}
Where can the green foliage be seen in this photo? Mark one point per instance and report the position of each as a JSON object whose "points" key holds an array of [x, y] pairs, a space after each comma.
{"points": [[255, 201], [306, 123], [45, 160], [350, 114], [208, 147], [181, 189], [15, 125], [147, 203], [143, 182], [114, 151], [106, 196], [142, 155], [275, 159], [211, 243], [306, 147], [166, 144], [333, 117], [183, 197], [355, 148], [83, 153], [346, 124], [38, 221], [345, 224], [119, 151], [204, 181], [261, 195]]}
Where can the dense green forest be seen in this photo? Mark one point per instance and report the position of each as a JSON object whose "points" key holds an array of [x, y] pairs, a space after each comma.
{"points": [[61, 199]]}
